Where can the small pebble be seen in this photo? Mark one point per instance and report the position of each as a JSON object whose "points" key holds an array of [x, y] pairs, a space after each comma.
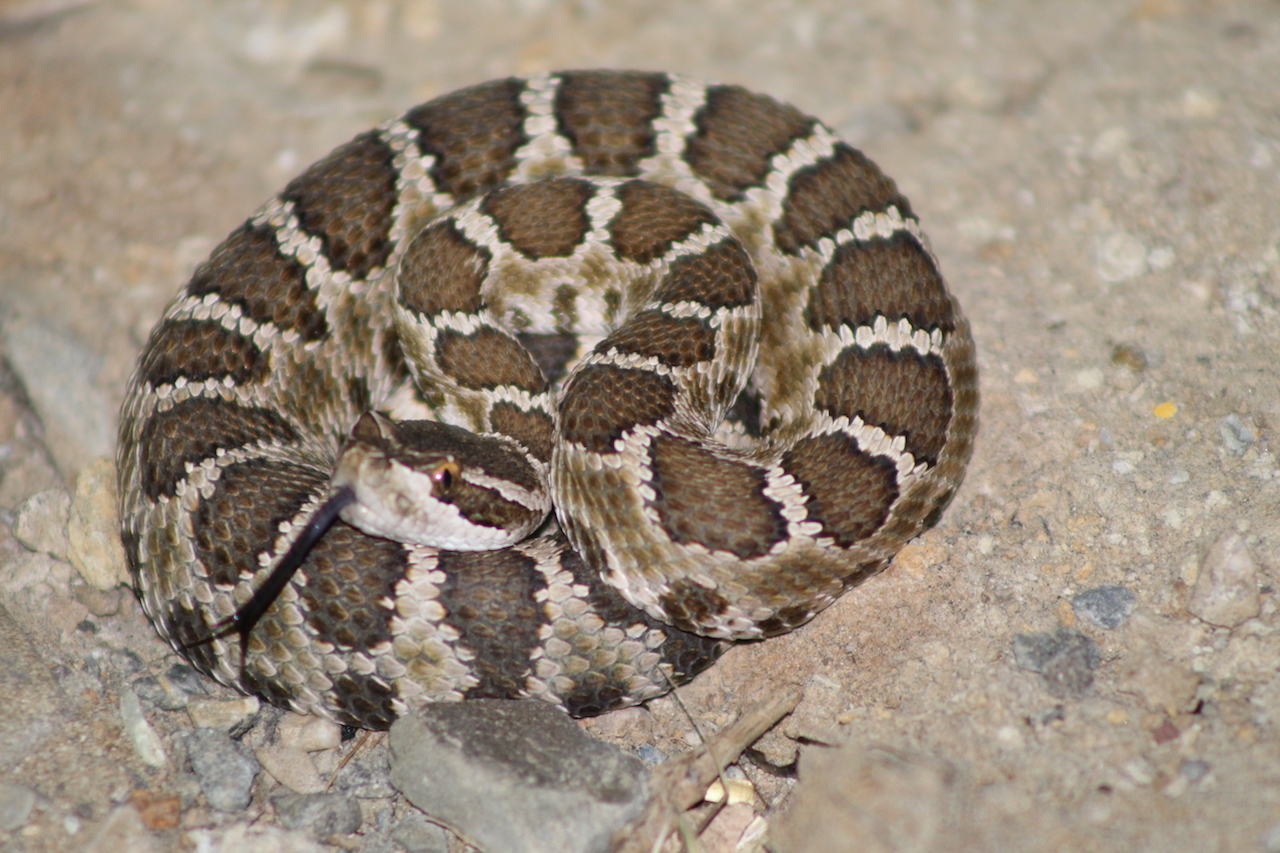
{"points": [[224, 768], [146, 743], [322, 814], [224, 714], [41, 524], [649, 754], [1194, 769], [1130, 356], [1237, 436], [1226, 588], [1106, 606]]}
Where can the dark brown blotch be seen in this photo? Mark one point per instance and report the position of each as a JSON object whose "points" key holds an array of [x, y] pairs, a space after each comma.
{"points": [[894, 278], [199, 350], [348, 577], [722, 276], [442, 271], [674, 341], [850, 492], [248, 270], [551, 352], [490, 600], [607, 116], [473, 134], [602, 403], [826, 197], [347, 201], [904, 393], [486, 359], [720, 503], [737, 134], [196, 429], [544, 219], [242, 517], [653, 218]]}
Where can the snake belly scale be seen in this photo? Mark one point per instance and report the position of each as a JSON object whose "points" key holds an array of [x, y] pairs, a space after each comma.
{"points": [[713, 329]]}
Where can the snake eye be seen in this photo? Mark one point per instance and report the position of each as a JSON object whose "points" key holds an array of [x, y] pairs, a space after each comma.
{"points": [[445, 475]]}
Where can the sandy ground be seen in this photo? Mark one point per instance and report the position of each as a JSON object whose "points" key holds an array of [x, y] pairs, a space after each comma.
{"points": [[1101, 183]]}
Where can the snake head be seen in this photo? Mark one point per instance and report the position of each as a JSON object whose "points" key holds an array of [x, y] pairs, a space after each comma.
{"points": [[427, 483]]}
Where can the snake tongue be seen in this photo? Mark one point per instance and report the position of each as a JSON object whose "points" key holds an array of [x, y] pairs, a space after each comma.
{"points": [[243, 621]]}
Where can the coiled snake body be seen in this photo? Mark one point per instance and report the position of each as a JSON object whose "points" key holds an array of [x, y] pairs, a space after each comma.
{"points": [[711, 326]]}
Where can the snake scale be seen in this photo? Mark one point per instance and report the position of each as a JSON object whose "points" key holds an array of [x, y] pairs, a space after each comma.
{"points": [[711, 328]]}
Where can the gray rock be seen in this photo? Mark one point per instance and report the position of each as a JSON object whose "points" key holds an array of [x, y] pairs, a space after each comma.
{"points": [[1106, 606], [224, 768], [321, 814], [367, 777], [515, 777], [1065, 660]]}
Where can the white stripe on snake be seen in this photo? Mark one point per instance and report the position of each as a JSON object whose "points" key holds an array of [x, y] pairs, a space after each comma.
{"points": [[704, 329]]}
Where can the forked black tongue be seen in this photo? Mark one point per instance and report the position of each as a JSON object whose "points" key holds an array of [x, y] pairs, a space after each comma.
{"points": [[242, 622]]}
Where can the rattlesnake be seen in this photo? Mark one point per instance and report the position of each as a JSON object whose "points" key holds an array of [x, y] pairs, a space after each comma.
{"points": [[716, 328]]}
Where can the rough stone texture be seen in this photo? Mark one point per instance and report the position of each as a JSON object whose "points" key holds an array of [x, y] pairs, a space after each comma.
{"points": [[1098, 179], [41, 523], [1065, 660], [146, 743], [123, 829], [856, 800], [291, 767], [93, 528], [515, 776], [320, 814], [1226, 590], [225, 768], [34, 705], [16, 802], [1106, 606]]}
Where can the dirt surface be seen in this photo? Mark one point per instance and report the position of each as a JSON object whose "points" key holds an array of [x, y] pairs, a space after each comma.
{"points": [[1101, 183]]}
